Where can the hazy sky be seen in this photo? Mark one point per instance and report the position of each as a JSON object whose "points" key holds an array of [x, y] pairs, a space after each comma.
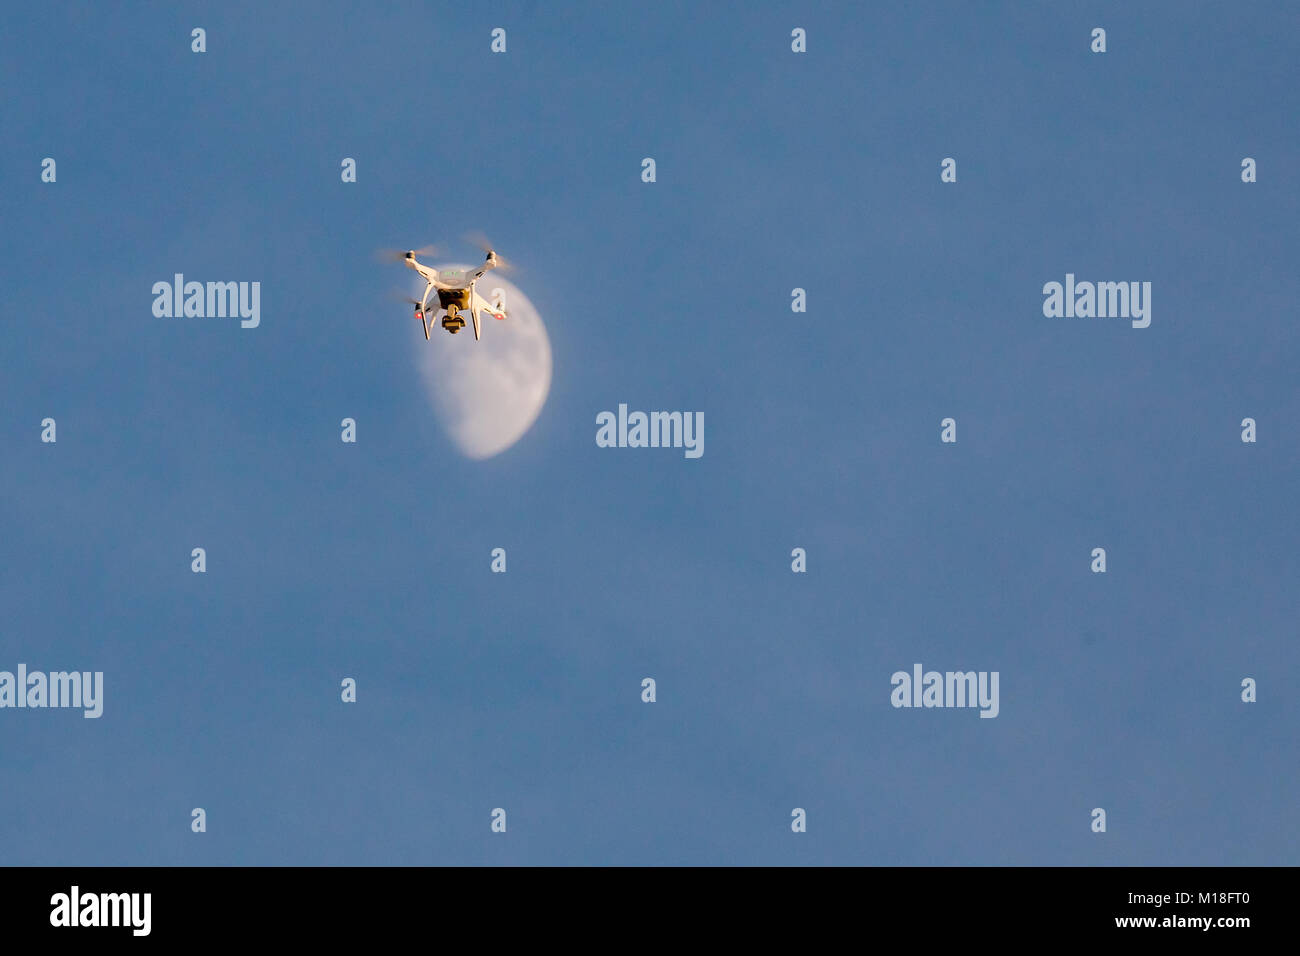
{"points": [[522, 691]]}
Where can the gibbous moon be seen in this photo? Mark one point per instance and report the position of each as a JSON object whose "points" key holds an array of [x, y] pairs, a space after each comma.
{"points": [[488, 393]]}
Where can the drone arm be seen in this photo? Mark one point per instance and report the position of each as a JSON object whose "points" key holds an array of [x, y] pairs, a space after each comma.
{"points": [[491, 263]]}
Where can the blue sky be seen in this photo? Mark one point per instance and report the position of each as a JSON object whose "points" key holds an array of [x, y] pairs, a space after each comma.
{"points": [[522, 690]]}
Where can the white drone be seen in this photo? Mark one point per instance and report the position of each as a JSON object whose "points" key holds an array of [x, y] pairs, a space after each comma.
{"points": [[456, 292]]}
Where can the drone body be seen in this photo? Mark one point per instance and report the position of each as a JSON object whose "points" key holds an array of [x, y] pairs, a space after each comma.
{"points": [[456, 294]]}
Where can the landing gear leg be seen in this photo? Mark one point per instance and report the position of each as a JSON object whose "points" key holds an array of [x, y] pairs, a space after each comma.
{"points": [[419, 314]]}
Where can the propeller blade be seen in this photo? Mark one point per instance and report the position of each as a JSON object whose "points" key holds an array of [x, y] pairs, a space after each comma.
{"points": [[397, 255], [477, 238], [482, 241]]}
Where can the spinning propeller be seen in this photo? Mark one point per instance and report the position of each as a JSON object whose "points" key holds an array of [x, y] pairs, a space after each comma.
{"points": [[482, 241], [397, 255]]}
